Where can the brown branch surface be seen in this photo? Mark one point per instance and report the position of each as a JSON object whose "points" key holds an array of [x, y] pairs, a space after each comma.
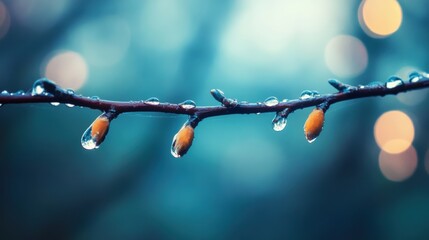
{"points": [[346, 92]]}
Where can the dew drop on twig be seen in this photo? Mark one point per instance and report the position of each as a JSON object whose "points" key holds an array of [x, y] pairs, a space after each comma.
{"points": [[414, 77], [393, 82], [306, 94], [152, 101], [69, 105], [271, 101], [55, 104], [4, 92], [188, 104]]}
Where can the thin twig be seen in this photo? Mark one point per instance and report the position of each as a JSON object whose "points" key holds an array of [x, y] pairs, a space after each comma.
{"points": [[202, 112]]}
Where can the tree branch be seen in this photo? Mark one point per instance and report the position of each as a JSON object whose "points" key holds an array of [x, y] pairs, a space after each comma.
{"points": [[45, 91]]}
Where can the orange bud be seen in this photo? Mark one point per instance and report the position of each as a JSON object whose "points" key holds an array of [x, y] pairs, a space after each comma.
{"points": [[182, 141], [314, 124], [96, 133]]}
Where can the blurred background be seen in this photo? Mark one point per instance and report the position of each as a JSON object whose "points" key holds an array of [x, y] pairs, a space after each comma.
{"points": [[365, 177]]}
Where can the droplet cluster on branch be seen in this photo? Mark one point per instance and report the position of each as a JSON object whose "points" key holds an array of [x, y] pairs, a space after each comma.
{"points": [[46, 91]]}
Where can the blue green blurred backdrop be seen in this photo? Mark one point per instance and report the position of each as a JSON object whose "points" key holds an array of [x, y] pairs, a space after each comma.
{"points": [[240, 179]]}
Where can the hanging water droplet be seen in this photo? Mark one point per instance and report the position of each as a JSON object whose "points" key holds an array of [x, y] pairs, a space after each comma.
{"points": [[306, 94], [188, 104], [271, 101], [94, 135], [4, 92], [55, 104], [152, 101], [279, 123], [69, 105], [95, 98], [258, 113], [70, 91], [414, 77], [1, 104], [393, 82]]}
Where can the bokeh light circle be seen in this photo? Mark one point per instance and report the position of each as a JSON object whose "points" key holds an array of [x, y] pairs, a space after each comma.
{"points": [[68, 69], [398, 167], [394, 132], [380, 18], [346, 56]]}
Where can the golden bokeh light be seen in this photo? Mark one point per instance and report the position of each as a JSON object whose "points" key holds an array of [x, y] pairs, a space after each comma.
{"points": [[4, 20], [380, 18], [346, 56], [68, 69], [398, 167], [394, 132]]}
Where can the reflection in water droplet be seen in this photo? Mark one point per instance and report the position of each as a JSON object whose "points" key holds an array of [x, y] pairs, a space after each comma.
{"points": [[55, 103], [20, 92], [311, 140], [152, 101], [43, 86], [188, 104], [393, 82], [271, 101], [306, 94], [279, 123], [69, 105], [70, 91], [315, 93], [375, 84], [94, 135], [414, 77], [4, 92]]}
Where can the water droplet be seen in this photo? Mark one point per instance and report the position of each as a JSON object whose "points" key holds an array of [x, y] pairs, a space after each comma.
{"points": [[306, 94], [258, 113], [1, 104], [279, 123], [94, 135], [311, 140], [152, 101], [393, 82], [95, 98], [43, 86], [70, 91], [271, 101], [69, 105], [188, 104], [20, 92], [414, 77], [217, 94], [361, 86], [4, 92], [375, 84], [55, 103], [285, 100], [315, 93]]}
